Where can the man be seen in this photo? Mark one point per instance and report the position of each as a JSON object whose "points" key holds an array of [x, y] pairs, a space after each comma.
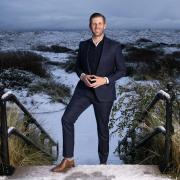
{"points": [[99, 64]]}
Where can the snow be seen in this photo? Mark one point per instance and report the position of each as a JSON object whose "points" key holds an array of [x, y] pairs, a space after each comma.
{"points": [[124, 81], [4, 96], [71, 38], [164, 94], [60, 75], [10, 129], [54, 57], [90, 172], [170, 50]]}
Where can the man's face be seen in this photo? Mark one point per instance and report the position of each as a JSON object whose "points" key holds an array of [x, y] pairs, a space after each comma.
{"points": [[97, 26]]}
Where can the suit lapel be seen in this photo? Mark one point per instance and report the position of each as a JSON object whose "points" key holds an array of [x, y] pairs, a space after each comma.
{"points": [[103, 54]]}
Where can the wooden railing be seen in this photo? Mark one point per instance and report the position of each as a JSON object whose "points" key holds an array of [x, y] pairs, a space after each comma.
{"points": [[6, 132], [168, 96]]}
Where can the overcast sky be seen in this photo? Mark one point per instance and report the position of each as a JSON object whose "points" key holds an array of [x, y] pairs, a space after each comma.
{"points": [[72, 14]]}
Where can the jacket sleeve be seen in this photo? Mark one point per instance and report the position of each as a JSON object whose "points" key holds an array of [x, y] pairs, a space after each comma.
{"points": [[120, 68], [78, 66]]}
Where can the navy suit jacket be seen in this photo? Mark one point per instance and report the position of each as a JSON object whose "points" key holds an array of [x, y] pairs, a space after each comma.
{"points": [[111, 65]]}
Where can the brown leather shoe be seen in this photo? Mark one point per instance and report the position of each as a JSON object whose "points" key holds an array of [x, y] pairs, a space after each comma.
{"points": [[64, 165]]}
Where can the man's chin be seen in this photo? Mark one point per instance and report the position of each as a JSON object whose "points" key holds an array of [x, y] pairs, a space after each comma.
{"points": [[98, 34]]}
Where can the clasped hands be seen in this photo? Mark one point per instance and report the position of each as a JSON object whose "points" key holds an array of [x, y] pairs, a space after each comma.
{"points": [[93, 80]]}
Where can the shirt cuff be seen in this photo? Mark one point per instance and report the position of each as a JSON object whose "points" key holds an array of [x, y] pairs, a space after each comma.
{"points": [[107, 80], [82, 74]]}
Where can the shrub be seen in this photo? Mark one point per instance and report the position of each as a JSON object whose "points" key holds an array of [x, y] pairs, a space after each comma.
{"points": [[23, 60]]}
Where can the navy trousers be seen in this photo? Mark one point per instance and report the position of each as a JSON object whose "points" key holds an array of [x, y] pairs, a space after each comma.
{"points": [[76, 106]]}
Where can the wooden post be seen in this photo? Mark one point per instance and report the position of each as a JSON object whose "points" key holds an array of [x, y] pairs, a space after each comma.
{"points": [[5, 167], [166, 162]]}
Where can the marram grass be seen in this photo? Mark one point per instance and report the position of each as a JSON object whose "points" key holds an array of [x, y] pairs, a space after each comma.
{"points": [[154, 150], [176, 151], [20, 153]]}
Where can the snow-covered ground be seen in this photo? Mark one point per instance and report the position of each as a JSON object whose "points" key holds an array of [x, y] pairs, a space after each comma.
{"points": [[71, 38], [90, 172]]}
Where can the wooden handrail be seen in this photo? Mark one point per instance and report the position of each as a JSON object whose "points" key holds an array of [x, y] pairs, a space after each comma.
{"points": [[5, 167], [168, 96]]}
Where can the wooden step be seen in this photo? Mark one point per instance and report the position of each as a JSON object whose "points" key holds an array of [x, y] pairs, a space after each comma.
{"points": [[90, 172]]}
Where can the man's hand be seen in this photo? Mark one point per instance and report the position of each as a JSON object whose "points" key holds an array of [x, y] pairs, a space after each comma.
{"points": [[86, 79], [98, 81]]}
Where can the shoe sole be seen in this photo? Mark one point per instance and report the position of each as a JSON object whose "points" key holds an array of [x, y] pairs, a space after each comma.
{"points": [[65, 170]]}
